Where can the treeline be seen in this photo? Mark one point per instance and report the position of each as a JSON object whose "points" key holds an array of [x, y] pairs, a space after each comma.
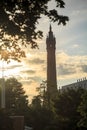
{"points": [[66, 111]]}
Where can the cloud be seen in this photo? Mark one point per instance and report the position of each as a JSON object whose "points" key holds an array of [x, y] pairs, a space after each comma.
{"points": [[29, 79], [75, 30], [35, 78], [70, 67], [28, 71], [84, 68], [35, 57], [14, 66], [27, 82], [66, 69], [67, 66], [36, 61], [75, 46], [30, 89]]}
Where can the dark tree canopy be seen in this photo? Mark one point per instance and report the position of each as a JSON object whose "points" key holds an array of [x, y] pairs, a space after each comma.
{"points": [[83, 111], [18, 23], [16, 100]]}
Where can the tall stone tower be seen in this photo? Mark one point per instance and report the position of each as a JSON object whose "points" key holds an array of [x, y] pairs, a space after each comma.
{"points": [[51, 63]]}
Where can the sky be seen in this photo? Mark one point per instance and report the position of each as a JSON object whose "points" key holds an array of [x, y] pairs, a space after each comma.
{"points": [[71, 51]]}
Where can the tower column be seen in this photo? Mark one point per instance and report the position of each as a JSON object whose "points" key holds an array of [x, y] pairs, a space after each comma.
{"points": [[51, 63]]}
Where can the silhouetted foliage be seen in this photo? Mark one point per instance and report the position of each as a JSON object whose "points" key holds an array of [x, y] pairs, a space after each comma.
{"points": [[67, 110], [62, 114], [66, 106], [83, 111], [15, 97], [40, 116], [18, 24]]}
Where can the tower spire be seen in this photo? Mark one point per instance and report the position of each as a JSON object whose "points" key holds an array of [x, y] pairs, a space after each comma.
{"points": [[50, 32], [50, 28]]}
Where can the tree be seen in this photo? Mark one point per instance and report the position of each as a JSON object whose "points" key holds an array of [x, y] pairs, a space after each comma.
{"points": [[83, 111], [18, 24], [36, 102], [15, 97], [66, 106], [43, 95], [39, 116]]}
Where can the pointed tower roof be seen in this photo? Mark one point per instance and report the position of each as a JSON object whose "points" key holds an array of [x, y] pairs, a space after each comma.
{"points": [[50, 40], [50, 28], [50, 32]]}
